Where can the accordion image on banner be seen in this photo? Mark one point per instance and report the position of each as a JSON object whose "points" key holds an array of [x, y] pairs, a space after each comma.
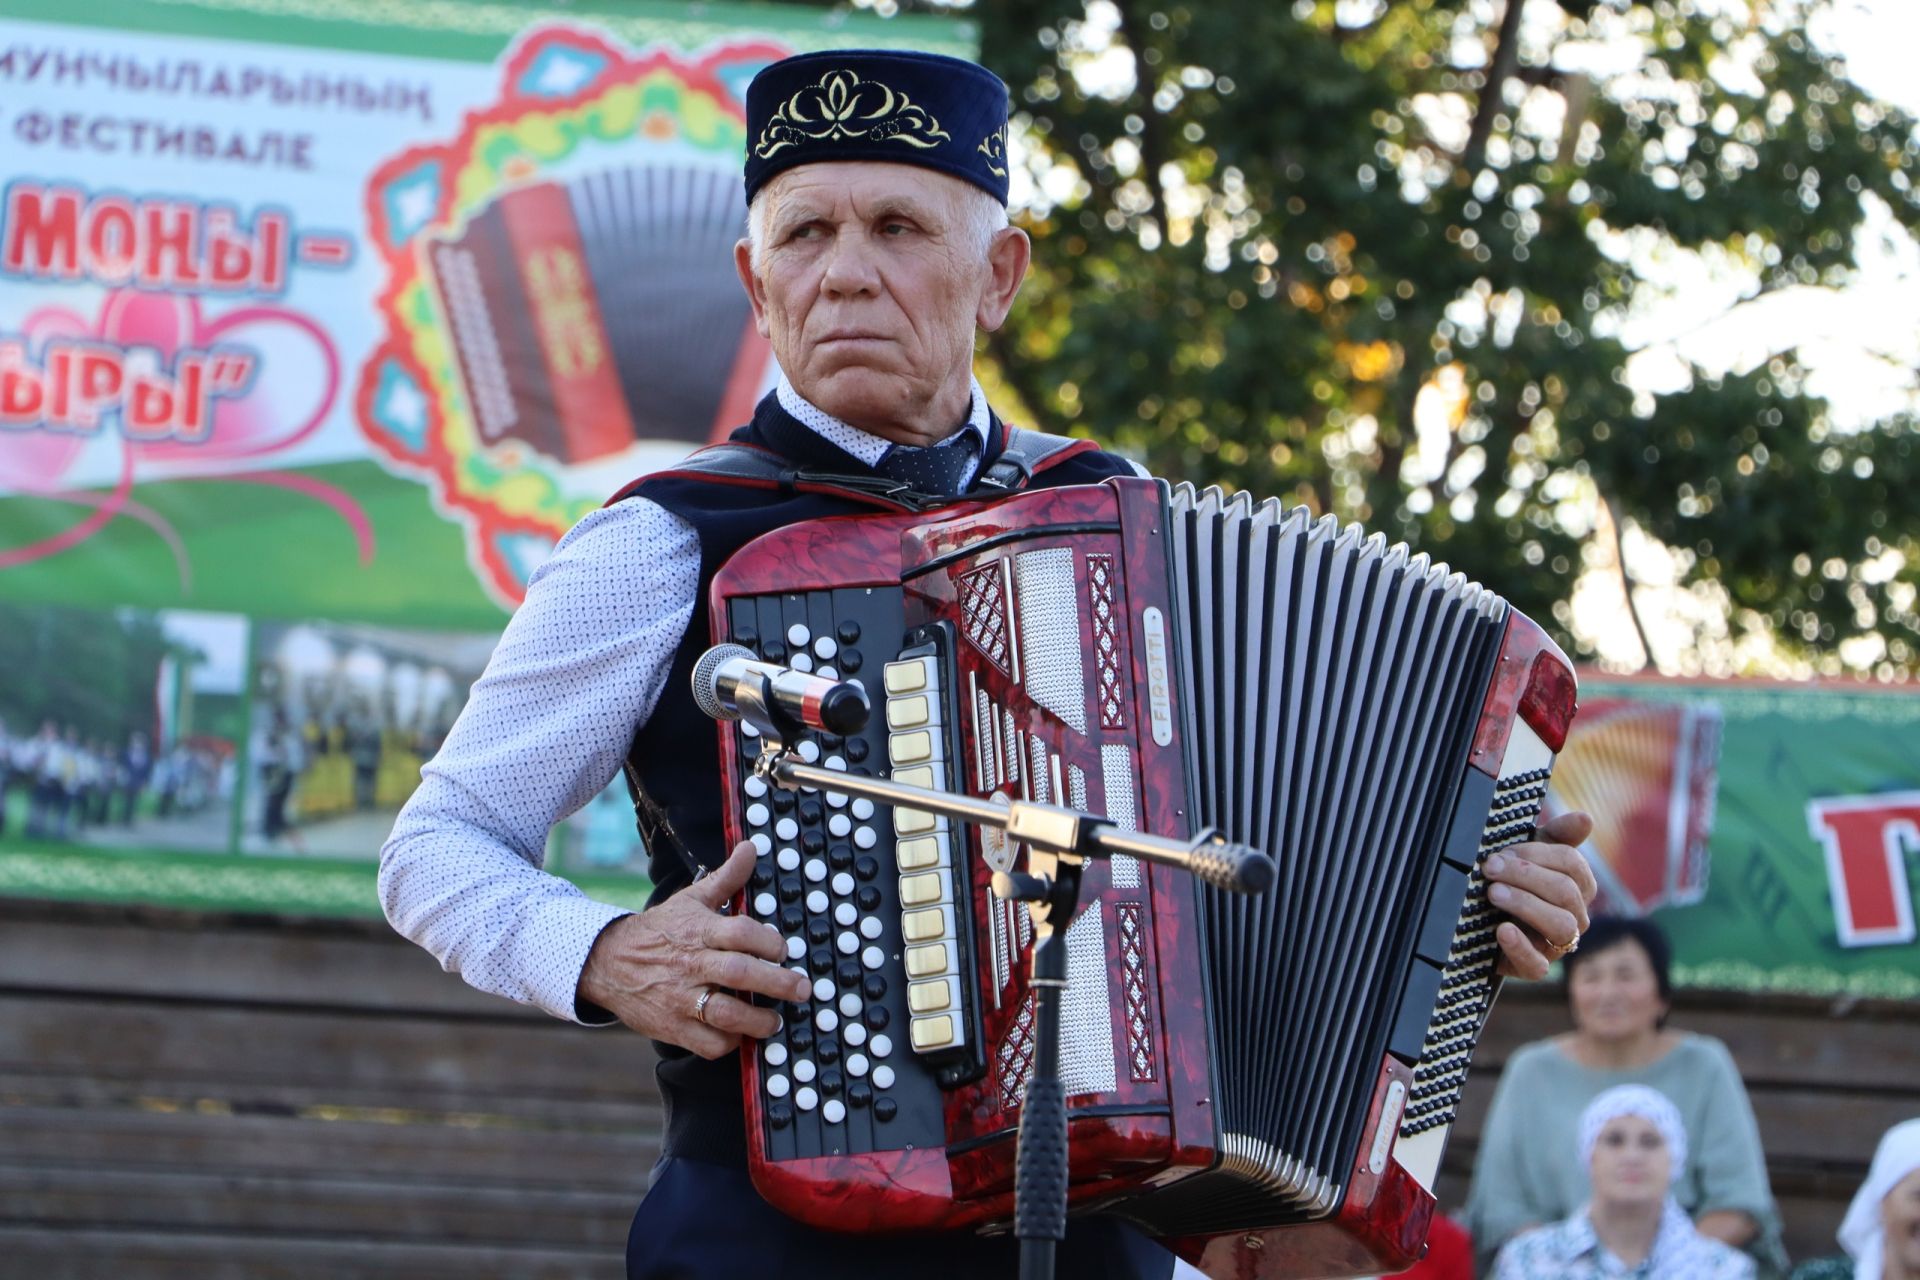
{"points": [[591, 314], [1647, 773], [1282, 1068]]}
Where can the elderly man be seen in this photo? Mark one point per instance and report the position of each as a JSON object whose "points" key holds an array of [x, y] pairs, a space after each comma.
{"points": [[878, 246]]}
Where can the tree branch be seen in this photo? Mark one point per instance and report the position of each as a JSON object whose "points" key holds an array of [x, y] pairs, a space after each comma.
{"points": [[1506, 55], [1153, 141], [1627, 584]]}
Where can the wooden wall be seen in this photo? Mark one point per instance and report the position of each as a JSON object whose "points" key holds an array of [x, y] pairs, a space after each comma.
{"points": [[210, 1097]]}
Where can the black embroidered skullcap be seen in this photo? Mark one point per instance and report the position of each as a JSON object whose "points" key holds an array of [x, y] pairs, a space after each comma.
{"points": [[869, 104]]}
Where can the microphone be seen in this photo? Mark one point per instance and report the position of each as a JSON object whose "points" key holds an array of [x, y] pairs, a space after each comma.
{"points": [[727, 671]]}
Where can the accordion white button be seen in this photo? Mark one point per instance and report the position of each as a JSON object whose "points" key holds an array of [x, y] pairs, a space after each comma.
{"points": [[826, 1020], [797, 634], [800, 662], [927, 961], [848, 942], [776, 1054], [796, 946], [828, 673], [755, 786], [842, 885], [863, 838], [871, 928], [765, 905], [929, 997], [825, 647], [850, 1004], [788, 859], [805, 1098], [757, 815], [872, 958], [862, 809], [749, 730], [834, 1112], [836, 763], [816, 870], [817, 902], [839, 824], [855, 1035], [933, 1033], [922, 853], [786, 829], [838, 799], [908, 713], [804, 1071], [856, 1063], [910, 676], [823, 990], [882, 1046], [910, 748], [777, 1085], [913, 822], [883, 1077], [846, 913], [762, 843], [921, 890], [807, 750]]}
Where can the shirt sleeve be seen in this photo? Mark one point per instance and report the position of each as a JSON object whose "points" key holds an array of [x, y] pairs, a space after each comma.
{"points": [[546, 727], [1727, 1155]]}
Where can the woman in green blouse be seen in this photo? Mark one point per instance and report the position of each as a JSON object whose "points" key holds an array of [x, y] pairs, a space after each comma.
{"points": [[1618, 990]]}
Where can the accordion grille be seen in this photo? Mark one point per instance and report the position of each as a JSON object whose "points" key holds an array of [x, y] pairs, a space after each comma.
{"points": [[1333, 684]]}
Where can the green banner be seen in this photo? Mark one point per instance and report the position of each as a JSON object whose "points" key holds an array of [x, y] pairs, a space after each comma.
{"points": [[320, 322], [1773, 829]]}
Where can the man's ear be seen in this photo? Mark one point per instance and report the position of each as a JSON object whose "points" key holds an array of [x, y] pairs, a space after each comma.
{"points": [[1007, 260], [743, 263]]}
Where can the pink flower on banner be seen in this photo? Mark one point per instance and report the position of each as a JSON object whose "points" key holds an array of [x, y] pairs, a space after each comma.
{"points": [[267, 415]]}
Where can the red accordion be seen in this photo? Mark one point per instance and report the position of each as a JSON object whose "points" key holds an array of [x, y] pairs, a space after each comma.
{"points": [[1264, 1081]]}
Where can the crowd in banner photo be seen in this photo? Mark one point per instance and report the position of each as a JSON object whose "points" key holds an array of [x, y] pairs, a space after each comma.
{"points": [[56, 785]]}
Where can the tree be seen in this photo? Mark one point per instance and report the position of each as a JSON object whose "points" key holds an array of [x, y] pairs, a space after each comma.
{"points": [[1378, 257]]}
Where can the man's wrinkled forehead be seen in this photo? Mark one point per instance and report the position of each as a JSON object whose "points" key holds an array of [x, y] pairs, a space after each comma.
{"points": [[866, 191]]}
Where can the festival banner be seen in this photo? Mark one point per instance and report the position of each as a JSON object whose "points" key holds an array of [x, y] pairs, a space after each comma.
{"points": [[319, 325], [1773, 829]]}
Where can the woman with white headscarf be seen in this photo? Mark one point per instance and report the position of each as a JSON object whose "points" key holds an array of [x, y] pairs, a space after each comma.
{"points": [[1631, 1142], [1881, 1232]]}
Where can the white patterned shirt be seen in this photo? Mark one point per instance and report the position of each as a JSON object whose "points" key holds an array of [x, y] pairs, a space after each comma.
{"points": [[577, 671], [1570, 1250]]}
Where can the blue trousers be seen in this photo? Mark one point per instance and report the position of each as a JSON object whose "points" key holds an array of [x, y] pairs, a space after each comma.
{"points": [[706, 1222]]}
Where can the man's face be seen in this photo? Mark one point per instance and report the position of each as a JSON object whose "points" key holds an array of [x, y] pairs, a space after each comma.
{"points": [[870, 287]]}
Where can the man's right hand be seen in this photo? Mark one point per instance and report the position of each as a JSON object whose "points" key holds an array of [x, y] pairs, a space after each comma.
{"points": [[650, 970]]}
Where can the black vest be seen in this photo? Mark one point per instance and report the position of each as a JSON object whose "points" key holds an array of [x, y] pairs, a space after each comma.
{"points": [[673, 756]]}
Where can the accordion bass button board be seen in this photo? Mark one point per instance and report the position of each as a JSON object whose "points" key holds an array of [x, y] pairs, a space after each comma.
{"points": [[1279, 1069]]}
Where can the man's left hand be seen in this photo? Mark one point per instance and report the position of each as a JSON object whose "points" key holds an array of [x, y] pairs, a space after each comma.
{"points": [[1545, 885]]}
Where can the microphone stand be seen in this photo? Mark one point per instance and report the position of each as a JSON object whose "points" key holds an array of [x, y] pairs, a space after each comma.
{"points": [[1059, 841]]}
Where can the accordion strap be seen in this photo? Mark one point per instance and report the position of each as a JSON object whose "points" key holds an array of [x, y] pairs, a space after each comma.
{"points": [[1026, 454]]}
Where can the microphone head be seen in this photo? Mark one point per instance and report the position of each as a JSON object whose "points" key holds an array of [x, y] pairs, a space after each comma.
{"points": [[706, 693]]}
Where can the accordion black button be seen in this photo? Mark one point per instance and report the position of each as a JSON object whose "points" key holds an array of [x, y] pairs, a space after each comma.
{"points": [[830, 1081], [868, 898], [791, 890], [856, 749], [860, 1093], [812, 842], [776, 651], [749, 637], [783, 801], [809, 811], [885, 1108], [819, 929], [849, 631], [801, 1038], [849, 972], [866, 866], [828, 1051], [821, 960], [779, 1115], [792, 920], [763, 874], [840, 857], [849, 660], [877, 1016], [873, 986]]}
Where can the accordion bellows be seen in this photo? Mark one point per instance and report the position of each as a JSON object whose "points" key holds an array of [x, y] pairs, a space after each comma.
{"points": [[591, 314], [1266, 1081]]}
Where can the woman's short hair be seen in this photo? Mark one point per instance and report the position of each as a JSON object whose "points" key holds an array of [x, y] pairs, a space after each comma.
{"points": [[1607, 932]]}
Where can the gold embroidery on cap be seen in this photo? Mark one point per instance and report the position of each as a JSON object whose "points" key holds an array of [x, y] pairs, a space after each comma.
{"points": [[842, 105], [994, 148]]}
